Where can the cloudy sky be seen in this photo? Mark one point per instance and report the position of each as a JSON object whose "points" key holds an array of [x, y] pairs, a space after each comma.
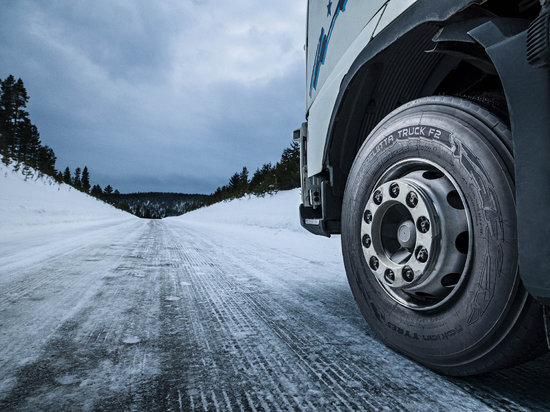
{"points": [[164, 95]]}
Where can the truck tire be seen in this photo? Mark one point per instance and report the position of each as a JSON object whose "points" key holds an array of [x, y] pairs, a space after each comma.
{"points": [[429, 239]]}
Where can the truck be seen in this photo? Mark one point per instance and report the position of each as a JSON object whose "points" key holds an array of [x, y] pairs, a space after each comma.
{"points": [[426, 147]]}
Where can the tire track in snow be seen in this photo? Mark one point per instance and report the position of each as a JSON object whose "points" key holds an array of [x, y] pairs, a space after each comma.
{"points": [[94, 350], [289, 350], [369, 366], [34, 302]]}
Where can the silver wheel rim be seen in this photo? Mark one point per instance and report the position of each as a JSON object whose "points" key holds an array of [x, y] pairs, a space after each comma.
{"points": [[416, 234]]}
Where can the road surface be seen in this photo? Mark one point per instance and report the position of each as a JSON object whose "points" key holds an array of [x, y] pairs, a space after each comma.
{"points": [[169, 315]]}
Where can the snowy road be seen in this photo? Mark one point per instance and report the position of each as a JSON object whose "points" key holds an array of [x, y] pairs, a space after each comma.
{"points": [[176, 315]]}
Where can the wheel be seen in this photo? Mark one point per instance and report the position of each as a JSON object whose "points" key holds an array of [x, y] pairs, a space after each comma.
{"points": [[429, 239]]}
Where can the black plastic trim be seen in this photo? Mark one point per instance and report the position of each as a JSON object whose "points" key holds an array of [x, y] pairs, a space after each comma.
{"points": [[328, 214], [527, 90]]}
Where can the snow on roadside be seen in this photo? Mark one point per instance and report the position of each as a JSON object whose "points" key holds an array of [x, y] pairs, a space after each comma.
{"points": [[39, 203], [278, 211], [270, 222], [40, 217]]}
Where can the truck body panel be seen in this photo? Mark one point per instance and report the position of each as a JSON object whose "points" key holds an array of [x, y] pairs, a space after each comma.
{"points": [[321, 108], [331, 25]]}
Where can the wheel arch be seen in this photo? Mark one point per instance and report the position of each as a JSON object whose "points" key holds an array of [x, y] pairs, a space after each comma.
{"points": [[430, 57]]}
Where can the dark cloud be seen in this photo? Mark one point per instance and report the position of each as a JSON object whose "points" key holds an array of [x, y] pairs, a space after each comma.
{"points": [[165, 93]]}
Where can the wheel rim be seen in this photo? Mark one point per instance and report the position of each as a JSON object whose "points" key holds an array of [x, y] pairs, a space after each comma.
{"points": [[416, 234]]}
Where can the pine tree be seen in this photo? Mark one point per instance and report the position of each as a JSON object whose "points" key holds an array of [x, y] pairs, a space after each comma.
{"points": [[288, 168], [108, 190], [264, 180], [4, 151], [24, 135], [14, 119], [233, 186], [85, 180], [77, 183], [21, 100], [243, 182], [7, 115], [30, 148], [67, 176], [46, 160], [33, 146], [21, 122], [19, 138], [96, 191]]}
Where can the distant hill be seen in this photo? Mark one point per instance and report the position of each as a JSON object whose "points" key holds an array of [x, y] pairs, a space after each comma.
{"points": [[156, 205]]}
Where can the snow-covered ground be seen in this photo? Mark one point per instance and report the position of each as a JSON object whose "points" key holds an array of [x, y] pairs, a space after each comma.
{"points": [[271, 222], [40, 217], [228, 307], [34, 204], [278, 212]]}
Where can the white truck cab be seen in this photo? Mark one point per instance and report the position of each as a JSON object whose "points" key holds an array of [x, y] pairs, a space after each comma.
{"points": [[425, 147]]}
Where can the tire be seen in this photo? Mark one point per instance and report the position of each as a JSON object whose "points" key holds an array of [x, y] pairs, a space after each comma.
{"points": [[446, 293]]}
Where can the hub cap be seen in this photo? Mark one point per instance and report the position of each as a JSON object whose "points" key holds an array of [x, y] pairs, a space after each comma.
{"points": [[416, 235]]}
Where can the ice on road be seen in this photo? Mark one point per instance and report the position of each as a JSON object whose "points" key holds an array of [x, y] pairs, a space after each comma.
{"points": [[229, 307]]}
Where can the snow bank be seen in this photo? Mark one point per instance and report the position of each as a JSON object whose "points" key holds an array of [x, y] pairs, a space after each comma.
{"points": [[30, 204], [40, 218], [269, 223], [278, 211]]}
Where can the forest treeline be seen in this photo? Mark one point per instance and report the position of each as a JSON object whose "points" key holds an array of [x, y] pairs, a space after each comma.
{"points": [[155, 205], [268, 179], [20, 146], [20, 143], [20, 140]]}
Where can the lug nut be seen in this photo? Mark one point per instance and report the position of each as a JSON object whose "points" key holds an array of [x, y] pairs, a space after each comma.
{"points": [[377, 197], [366, 241], [421, 254], [408, 274], [394, 190], [412, 199], [389, 276], [373, 263], [368, 216], [423, 224]]}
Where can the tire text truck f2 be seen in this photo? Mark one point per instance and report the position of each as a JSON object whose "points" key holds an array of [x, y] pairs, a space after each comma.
{"points": [[427, 147]]}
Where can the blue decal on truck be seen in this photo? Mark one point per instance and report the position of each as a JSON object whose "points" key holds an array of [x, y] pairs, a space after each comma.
{"points": [[324, 40]]}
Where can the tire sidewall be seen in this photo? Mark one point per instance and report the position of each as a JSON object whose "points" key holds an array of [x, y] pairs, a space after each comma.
{"points": [[462, 145]]}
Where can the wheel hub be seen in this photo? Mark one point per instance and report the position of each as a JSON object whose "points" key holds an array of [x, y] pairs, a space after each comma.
{"points": [[413, 232], [406, 234]]}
